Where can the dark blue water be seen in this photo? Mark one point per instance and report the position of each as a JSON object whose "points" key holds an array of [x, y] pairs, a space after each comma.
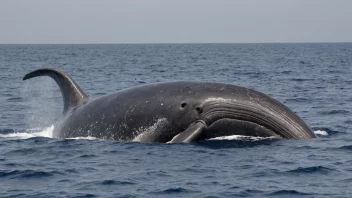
{"points": [[312, 79]]}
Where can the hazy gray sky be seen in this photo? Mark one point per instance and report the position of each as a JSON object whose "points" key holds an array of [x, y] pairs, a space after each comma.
{"points": [[175, 21]]}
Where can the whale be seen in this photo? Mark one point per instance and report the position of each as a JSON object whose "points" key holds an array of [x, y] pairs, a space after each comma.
{"points": [[172, 112]]}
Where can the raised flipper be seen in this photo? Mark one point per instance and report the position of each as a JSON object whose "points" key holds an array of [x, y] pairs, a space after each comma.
{"points": [[191, 134], [72, 94]]}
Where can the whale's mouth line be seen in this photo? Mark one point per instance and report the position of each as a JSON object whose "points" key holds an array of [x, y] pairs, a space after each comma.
{"points": [[233, 126], [239, 117], [199, 130]]}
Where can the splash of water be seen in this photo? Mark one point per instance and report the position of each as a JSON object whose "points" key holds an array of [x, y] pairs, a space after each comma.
{"points": [[46, 132], [43, 102], [83, 138]]}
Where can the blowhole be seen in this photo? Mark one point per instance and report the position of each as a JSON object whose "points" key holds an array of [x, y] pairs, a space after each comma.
{"points": [[183, 105]]}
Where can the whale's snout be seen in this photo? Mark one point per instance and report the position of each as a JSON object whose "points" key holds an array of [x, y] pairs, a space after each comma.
{"points": [[244, 117], [224, 117]]}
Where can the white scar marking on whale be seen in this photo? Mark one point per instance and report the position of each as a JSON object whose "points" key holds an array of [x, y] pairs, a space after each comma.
{"points": [[218, 99], [147, 131]]}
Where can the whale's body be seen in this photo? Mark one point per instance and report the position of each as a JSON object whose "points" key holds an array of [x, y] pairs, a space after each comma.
{"points": [[173, 112]]}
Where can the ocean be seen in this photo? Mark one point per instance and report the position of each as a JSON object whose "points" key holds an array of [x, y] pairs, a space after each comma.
{"points": [[314, 80]]}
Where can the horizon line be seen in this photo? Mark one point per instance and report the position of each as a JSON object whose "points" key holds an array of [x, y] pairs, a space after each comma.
{"points": [[175, 43]]}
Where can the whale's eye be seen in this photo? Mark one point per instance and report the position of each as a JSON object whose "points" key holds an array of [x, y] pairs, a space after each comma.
{"points": [[183, 105], [199, 109]]}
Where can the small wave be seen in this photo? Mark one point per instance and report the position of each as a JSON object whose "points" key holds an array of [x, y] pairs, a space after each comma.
{"points": [[237, 143], [47, 132], [288, 192], [114, 182], [298, 99], [27, 174], [286, 72], [348, 122], [84, 195], [87, 156], [15, 99], [313, 169], [300, 79], [347, 147], [6, 131], [334, 112], [250, 192], [242, 137], [173, 191]]}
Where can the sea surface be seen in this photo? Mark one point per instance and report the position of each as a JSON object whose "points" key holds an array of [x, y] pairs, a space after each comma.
{"points": [[314, 80]]}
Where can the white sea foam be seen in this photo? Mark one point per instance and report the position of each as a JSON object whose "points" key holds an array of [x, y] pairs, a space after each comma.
{"points": [[47, 132], [241, 137], [83, 138], [252, 138], [321, 132]]}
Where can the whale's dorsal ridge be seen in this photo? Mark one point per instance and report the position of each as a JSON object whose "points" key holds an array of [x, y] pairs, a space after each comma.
{"points": [[72, 94]]}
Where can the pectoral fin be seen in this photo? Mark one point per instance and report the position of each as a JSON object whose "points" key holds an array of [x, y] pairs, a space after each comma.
{"points": [[191, 134]]}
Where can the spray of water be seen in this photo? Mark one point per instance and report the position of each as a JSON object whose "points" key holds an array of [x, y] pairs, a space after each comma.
{"points": [[48, 133], [30, 133], [43, 102]]}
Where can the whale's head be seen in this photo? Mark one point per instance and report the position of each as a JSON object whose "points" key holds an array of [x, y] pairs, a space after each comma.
{"points": [[231, 110]]}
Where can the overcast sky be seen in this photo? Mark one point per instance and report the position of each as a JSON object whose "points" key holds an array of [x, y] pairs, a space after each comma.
{"points": [[175, 21]]}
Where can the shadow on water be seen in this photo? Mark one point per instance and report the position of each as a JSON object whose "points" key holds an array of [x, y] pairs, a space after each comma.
{"points": [[220, 144], [6, 131]]}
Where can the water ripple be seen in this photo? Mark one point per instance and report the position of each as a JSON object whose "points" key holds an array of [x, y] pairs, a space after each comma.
{"points": [[6, 131], [287, 193], [334, 112], [114, 182], [312, 169], [170, 191], [27, 174], [347, 147]]}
